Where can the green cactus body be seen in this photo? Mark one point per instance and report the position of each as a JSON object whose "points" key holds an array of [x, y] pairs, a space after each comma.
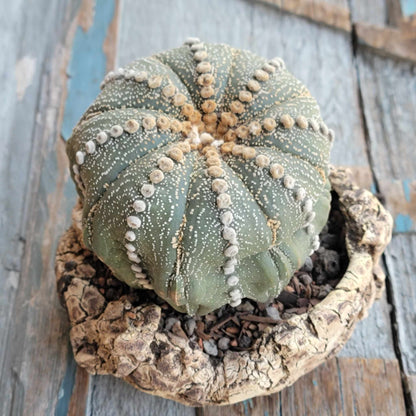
{"points": [[203, 174]]}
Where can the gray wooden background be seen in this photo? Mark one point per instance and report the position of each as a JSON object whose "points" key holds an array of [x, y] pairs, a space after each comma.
{"points": [[357, 57]]}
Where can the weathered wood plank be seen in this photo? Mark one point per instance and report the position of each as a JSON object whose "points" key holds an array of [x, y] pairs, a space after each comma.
{"points": [[92, 55], [373, 12], [388, 41], [112, 396], [341, 386], [388, 89], [334, 13], [389, 97], [33, 211], [401, 263], [371, 387], [92, 52], [78, 401]]}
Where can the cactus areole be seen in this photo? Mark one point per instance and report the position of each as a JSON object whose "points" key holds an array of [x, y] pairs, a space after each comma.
{"points": [[203, 175]]}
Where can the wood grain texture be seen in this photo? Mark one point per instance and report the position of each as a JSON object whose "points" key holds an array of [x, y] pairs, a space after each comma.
{"points": [[371, 387], [335, 14], [92, 54], [388, 90], [341, 386], [388, 41], [78, 401], [110, 396], [401, 264], [34, 201], [389, 99], [373, 12]]}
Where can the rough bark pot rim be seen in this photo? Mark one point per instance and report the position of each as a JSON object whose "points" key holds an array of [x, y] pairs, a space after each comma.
{"points": [[105, 342]]}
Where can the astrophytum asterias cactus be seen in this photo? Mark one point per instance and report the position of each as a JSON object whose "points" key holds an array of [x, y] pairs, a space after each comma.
{"points": [[203, 175]]}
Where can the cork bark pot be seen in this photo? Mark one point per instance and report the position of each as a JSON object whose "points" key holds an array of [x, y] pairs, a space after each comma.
{"points": [[115, 338]]}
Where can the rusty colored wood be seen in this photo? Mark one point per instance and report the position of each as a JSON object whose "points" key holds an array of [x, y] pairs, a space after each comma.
{"points": [[389, 103], [399, 41], [111, 40], [78, 401], [388, 41], [371, 387], [320, 11]]}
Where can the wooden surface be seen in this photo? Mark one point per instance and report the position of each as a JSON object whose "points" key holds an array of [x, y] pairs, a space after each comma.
{"points": [[54, 54]]}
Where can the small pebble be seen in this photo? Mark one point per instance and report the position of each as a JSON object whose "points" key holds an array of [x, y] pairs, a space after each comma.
{"points": [[331, 263], [245, 341], [224, 343], [245, 307], [190, 326], [272, 312], [308, 266], [324, 291], [210, 347], [305, 278], [170, 322]]}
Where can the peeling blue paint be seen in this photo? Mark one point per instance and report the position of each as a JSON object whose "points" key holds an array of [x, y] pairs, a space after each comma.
{"points": [[373, 188], [87, 66], [314, 382], [408, 7], [403, 223], [67, 385], [248, 403], [245, 404], [406, 188]]}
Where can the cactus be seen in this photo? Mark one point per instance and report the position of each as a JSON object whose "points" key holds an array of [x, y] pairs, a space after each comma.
{"points": [[203, 175]]}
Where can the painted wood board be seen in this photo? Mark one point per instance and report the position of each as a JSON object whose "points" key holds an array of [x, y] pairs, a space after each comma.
{"points": [[374, 12], [389, 98], [341, 386], [388, 90], [333, 13], [20, 73], [34, 205], [111, 396], [401, 263]]}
